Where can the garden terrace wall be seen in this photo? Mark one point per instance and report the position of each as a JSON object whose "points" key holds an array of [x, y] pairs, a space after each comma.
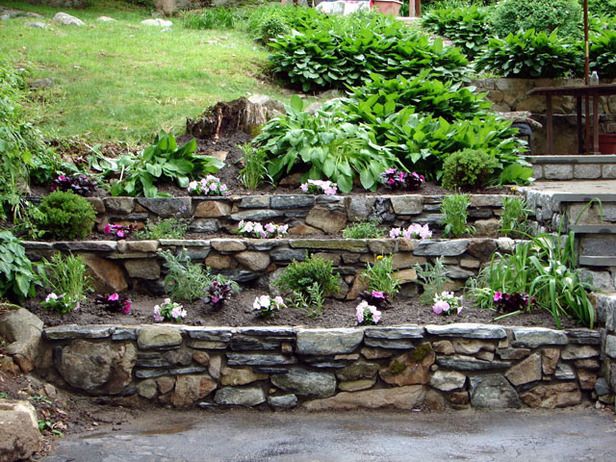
{"points": [[406, 367], [511, 95], [606, 384], [588, 167], [135, 264], [305, 214]]}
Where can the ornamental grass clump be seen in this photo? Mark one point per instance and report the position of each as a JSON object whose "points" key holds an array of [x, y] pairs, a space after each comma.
{"points": [[66, 279]]}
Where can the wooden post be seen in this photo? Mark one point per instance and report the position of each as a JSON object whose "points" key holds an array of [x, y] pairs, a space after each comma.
{"points": [[550, 125], [414, 8], [580, 130], [595, 124]]}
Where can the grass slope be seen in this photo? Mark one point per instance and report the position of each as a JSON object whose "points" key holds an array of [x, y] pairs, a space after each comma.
{"points": [[124, 81]]}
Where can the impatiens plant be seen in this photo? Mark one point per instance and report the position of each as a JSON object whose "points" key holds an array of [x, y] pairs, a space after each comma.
{"points": [[265, 306], [255, 229], [376, 298], [396, 179], [208, 186], [511, 303], [79, 183], [446, 303], [219, 291], [118, 231], [61, 304], [367, 315], [319, 187], [414, 231], [169, 311], [115, 303]]}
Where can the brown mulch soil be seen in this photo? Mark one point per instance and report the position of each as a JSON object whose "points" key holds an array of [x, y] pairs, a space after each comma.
{"points": [[238, 312]]}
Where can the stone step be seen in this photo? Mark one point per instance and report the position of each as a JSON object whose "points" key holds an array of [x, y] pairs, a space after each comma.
{"points": [[593, 229], [574, 167], [603, 261], [601, 245]]}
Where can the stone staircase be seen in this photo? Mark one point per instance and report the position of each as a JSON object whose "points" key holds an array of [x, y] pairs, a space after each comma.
{"points": [[587, 208]]}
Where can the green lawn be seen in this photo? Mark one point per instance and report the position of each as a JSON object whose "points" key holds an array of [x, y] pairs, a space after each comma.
{"points": [[123, 81]]}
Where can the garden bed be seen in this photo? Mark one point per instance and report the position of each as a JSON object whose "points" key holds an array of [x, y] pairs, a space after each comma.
{"points": [[238, 312]]}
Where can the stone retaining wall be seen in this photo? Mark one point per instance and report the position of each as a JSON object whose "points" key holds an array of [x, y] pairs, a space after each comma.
{"points": [[587, 167], [135, 264], [606, 384], [407, 367], [305, 214]]}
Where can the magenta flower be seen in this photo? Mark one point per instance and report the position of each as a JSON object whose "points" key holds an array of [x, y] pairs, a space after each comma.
{"points": [[498, 296], [114, 297]]}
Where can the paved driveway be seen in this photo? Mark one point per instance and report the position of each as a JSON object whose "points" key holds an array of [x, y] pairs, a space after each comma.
{"points": [[165, 435]]}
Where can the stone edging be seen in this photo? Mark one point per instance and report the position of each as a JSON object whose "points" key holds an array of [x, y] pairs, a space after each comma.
{"points": [[135, 264], [436, 366]]}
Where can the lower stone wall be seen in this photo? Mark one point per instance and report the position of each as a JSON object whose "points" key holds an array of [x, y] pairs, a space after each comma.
{"points": [[135, 264], [407, 367], [606, 385]]}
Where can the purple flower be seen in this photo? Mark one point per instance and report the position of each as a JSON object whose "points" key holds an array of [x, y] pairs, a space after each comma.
{"points": [[377, 294], [440, 307], [113, 297], [498, 296]]}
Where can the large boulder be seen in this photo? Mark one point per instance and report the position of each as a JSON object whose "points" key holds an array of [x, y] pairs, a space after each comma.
{"points": [[19, 434], [96, 368], [240, 115], [22, 331], [68, 20]]}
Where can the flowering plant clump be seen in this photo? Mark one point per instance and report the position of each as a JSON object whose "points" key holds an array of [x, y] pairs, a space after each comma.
{"points": [[208, 186], [168, 311], [398, 179], [376, 298], [79, 183], [59, 303], [218, 292], [328, 188], [253, 228], [367, 315], [265, 306], [447, 303], [414, 231], [508, 303], [115, 303], [119, 231]]}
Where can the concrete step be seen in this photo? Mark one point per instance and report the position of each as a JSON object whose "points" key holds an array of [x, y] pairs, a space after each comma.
{"points": [[574, 167], [595, 261]]}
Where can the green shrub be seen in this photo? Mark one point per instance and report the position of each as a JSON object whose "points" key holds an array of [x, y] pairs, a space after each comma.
{"points": [[602, 7], [455, 215], [308, 282], [513, 16], [65, 215], [346, 51], [380, 277], [17, 281], [363, 230], [531, 54], [21, 144], [468, 169], [603, 54], [66, 276], [162, 161], [272, 27], [467, 27], [167, 228]]}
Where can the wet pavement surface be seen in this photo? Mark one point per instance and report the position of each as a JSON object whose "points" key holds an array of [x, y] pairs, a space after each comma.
{"points": [[245, 436]]}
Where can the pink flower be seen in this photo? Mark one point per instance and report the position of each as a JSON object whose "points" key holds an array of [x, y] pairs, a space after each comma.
{"points": [[498, 296], [126, 307], [377, 294], [156, 314], [120, 233], [304, 187], [107, 229], [376, 315], [113, 297], [440, 307], [395, 233]]}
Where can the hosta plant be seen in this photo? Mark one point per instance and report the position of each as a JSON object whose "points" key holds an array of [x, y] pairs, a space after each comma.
{"points": [[163, 161]]}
